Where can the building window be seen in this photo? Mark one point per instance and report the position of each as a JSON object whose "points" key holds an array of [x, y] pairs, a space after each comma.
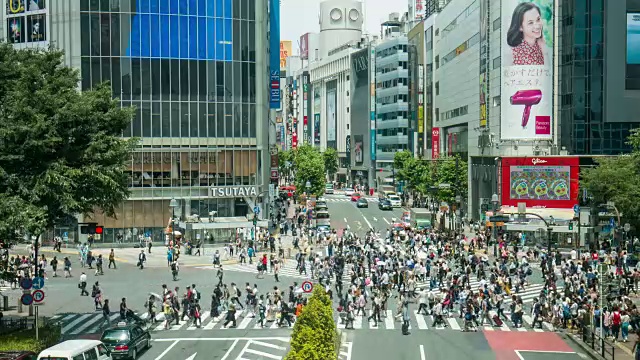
{"points": [[437, 87], [496, 62], [437, 60], [347, 109], [437, 32], [437, 114], [496, 24], [496, 101]]}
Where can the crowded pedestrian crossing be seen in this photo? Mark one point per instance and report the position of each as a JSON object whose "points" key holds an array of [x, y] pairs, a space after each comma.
{"points": [[289, 269], [348, 199], [93, 323]]}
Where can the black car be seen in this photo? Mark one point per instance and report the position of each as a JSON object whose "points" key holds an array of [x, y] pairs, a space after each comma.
{"points": [[385, 204], [126, 340], [362, 203]]}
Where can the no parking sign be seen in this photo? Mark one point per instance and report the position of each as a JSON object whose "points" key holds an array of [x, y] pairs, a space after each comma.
{"points": [[307, 286]]}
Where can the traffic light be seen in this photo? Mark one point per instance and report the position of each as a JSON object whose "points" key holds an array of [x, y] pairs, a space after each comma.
{"points": [[99, 230], [255, 220], [571, 225], [91, 229]]}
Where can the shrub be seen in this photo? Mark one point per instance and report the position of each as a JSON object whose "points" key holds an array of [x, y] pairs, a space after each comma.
{"points": [[314, 334], [25, 340]]}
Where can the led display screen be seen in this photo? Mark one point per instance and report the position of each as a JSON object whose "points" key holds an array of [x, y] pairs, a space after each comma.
{"points": [[185, 29], [540, 182]]}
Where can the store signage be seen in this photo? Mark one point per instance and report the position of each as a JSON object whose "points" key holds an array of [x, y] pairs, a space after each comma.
{"points": [[232, 191], [536, 161]]}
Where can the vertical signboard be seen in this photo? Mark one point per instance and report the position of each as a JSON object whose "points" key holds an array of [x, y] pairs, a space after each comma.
{"points": [[294, 134], [306, 88], [317, 106], [331, 101], [285, 52], [435, 143], [274, 54], [358, 149], [527, 70], [304, 46], [372, 102], [484, 62]]}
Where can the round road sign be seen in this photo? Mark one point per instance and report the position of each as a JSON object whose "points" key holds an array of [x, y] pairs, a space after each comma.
{"points": [[307, 286], [38, 296], [26, 283], [26, 299], [38, 283]]}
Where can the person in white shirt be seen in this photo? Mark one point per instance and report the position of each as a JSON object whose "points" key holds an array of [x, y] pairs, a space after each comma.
{"points": [[83, 285], [423, 301]]}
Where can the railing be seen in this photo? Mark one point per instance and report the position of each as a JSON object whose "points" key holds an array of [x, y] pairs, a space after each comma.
{"points": [[8, 326], [597, 343]]}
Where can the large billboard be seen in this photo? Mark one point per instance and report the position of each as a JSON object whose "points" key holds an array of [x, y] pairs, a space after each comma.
{"points": [[526, 111], [633, 38], [550, 182], [167, 31], [331, 102], [484, 61], [26, 22], [304, 46], [317, 106], [285, 52], [274, 56]]}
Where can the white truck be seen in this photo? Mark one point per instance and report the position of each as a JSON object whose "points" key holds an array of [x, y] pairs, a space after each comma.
{"points": [[420, 219]]}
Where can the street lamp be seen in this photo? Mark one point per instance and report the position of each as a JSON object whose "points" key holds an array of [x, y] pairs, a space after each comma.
{"points": [[494, 201], [173, 204]]}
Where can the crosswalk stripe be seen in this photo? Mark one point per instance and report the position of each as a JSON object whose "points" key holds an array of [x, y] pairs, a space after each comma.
{"points": [[245, 322], [214, 321], [203, 317], [388, 320], [504, 326], [77, 321], [454, 324], [422, 323], [357, 322], [87, 324], [237, 315]]}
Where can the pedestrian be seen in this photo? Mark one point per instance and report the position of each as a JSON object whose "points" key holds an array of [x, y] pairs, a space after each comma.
{"points": [[83, 285], [405, 317], [54, 266], [106, 313], [142, 258], [67, 267], [231, 316], [123, 309], [261, 311], [112, 260]]}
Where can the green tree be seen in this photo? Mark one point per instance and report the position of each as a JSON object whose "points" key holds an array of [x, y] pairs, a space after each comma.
{"points": [[314, 334], [309, 166], [617, 179], [62, 153], [453, 171], [330, 161], [284, 162]]}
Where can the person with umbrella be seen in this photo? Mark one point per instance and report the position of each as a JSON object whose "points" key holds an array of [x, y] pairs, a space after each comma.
{"points": [[150, 304]]}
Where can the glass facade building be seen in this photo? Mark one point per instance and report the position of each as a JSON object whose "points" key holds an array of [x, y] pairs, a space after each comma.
{"points": [[393, 130], [195, 71]]}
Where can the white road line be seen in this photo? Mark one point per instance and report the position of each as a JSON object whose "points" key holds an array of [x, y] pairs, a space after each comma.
{"points": [[168, 349], [75, 322], [371, 322], [422, 323], [454, 324], [86, 325], [226, 355], [357, 322], [422, 355], [97, 325], [204, 316], [504, 326], [269, 345], [263, 354], [387, 221], [375, 220], [388, 320], [245, 322], [215, 321], [238, 314], [345, 221], [367, 221]]}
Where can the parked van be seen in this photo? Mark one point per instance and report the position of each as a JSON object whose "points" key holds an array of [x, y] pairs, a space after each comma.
{"points": [[76, 350]]}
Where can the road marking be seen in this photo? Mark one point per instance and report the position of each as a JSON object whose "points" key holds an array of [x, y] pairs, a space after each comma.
{"points": [[357, 322], [367, 221], [215, 320], [387, 221], [97, 325], [175, 342], [388, 320], [226, 355], [245, 322], [203, 317], [269, 345], [504, 326], [192, 356], [371, 327], [237, 314], [77, 321], [345, 221], [346, 354], [262, 354], [422, 355], [422, 323], [87, 324], [375, 220], [266, 338], [453, 323]]}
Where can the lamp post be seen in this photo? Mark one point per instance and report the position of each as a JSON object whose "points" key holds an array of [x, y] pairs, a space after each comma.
{"points": [[494, 201], [173, 204]]}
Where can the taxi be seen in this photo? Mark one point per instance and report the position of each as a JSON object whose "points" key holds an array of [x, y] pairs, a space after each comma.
{"points": [[126, 340]]}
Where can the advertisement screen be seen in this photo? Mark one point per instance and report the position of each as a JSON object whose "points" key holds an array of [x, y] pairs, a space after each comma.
{"points": [[358, 149], [285, 52], [177, 27], [331, 113], [527, 70], [633, 38], [550, 182], [15, 30]]}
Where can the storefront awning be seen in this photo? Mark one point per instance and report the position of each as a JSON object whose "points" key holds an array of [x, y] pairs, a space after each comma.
{"points": [[224, 223], [546, 213]]}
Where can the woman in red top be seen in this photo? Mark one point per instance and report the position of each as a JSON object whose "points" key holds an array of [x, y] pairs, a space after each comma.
{"points": [[525, 35]]}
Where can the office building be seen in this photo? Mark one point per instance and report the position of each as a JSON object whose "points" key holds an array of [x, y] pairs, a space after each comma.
{"points": [[191, 68]]}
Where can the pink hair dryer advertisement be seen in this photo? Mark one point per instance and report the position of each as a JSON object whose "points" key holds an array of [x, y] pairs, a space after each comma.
{"points": [[526, 111]]}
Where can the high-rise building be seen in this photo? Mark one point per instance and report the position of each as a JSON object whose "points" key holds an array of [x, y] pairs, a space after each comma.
{"points": [[193, 69]]}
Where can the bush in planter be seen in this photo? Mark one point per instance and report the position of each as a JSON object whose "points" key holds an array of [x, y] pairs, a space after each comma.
{"points": [[314, 334], [25, 340]]}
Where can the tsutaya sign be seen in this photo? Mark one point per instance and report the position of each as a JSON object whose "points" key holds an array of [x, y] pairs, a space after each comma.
{"points": [[232, 191]]}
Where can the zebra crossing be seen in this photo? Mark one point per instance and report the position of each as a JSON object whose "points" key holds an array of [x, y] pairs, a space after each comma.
{"points": [[93, 323], [289, 269], [348, 199]]}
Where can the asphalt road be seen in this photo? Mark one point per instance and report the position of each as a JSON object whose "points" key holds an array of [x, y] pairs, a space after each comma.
{"points": [[343, 211]]}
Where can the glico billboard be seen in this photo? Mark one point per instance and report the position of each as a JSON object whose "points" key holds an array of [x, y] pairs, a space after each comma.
{"points": [[549, 182]]}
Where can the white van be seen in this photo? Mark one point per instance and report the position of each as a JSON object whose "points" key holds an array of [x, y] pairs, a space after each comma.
{"points": [[76, 350]]}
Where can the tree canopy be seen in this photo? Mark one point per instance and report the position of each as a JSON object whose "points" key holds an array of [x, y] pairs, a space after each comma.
{"points": [[421, 175], [617, 179], [309, 166], [330, 161], [62, 153]]}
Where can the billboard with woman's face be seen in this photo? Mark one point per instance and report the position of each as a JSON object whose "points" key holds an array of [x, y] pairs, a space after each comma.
{"points": [[527, 70]]}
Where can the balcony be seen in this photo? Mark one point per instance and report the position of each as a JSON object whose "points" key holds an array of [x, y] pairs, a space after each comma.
{"points": [[395, 74], [392, 139], [399, 106], [399, 56], [392, 124], [395, 90]]}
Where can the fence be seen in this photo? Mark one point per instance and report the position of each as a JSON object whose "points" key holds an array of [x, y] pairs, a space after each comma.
{"points": [[8, 326], [597, 343]]}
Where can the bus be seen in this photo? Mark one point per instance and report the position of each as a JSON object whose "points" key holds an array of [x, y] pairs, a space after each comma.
{"points": [[328, 188]]}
